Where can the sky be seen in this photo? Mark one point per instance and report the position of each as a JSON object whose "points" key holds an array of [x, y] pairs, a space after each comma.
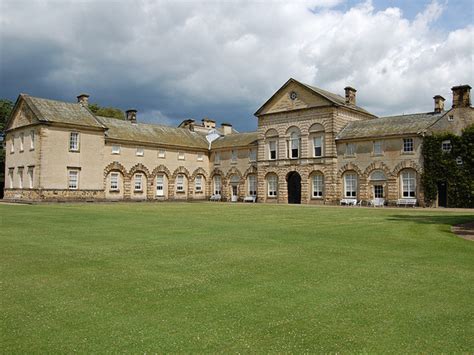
{"points": [[173, 60]]}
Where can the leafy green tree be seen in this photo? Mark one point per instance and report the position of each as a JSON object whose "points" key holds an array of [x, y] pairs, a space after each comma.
{"points": [[6, 107], [107, 111]]}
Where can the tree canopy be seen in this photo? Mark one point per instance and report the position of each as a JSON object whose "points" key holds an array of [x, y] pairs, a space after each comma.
{"points": [[107, 111]]}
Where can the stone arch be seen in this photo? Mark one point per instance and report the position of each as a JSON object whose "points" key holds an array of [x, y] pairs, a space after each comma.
{"points": [[291, 129], [251, 170], [217, 171], [139, 167], [271, 133], [316, 171], [199, 171], [348, 167], [377, 166], [233, 171], [115, 166], [161, 169], [406, 164], [316, 127], [180, 170]]}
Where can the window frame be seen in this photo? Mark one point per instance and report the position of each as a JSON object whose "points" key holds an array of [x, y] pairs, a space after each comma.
{"points": [[20, 176], [22, 142], [317, 193], [140, 152], [378, 143], [233, 156], [270, 150], [181, 155], [115, 187], [70, 180], [200, 157], [252, 184], [353, 185], [138, 182], [12, 144], [408, 142], [32, 139], [161, 153], [321, 140], [116, 149], [350, 150], [217, 158], [11, 174], [160, 185], [272, 186], [180, 183], [446, 146], [408, 190], [74, 140], [217, 184], [252, 155], [30, 174], [294, 141], [198, 183]]}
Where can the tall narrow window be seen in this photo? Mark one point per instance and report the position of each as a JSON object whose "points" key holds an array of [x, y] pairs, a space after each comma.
{"points": [[114, 181], [180, 183], [115, 149], [272, 182], [318, 146], [10, 177], [407, 145], [138, 182], [74, 142], [294, 145], [350, 185], [217, 158], [20, 177], [252, 179], [408, 183], [30, 177], [252, 155], [217, 184], [160, 185], [73, 179], [234, 156], [378, 150], [272, 150], [32, 140], [318, 182], [22, 141], [12, 145], [198, 183]]}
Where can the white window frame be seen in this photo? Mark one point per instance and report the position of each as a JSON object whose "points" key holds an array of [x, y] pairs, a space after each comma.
{"points": [[450, 118], [73, 179], [22, 142], [379, 191], [114, 181], [217, 181], [20, 177], [140, 152], [181, 155], [138, 182], [408, 145], [74, 142], [30, 173], [294, 146], [11, 174], [446, 146], [350, 185], [317, 186], [252, 185], [316, 146], [160, 185], [272, 185], [32, 140], [198, 183], [200, 157], [378, 148], [162, 153], [115, 149], [408, 184], [180, 183], [272, 147]]}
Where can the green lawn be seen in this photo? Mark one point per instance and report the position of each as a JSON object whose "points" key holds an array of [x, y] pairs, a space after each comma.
{"points": [[216, 277]]}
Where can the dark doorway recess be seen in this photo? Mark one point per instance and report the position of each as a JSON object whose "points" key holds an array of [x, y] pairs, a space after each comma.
{"points": [[294, 187], [442, 194]]}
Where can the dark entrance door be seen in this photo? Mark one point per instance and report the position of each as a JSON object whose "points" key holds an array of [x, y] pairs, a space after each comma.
{"points": [[443, 194], [294, 187]]}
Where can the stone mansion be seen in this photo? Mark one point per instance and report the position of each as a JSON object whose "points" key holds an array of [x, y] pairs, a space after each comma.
{"points": [[311, 146]]}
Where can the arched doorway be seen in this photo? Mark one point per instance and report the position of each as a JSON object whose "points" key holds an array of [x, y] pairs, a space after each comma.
{"points": [[294, 187]]}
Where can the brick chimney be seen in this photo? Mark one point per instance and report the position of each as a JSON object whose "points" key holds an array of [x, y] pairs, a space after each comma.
{"points": [[350, 95], [208, 123], [226, 128], [83, 99], [461, 96], [131, 115], [439, 103]]}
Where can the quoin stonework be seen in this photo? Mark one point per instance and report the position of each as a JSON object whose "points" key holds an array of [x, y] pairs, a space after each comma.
{"points": [[311, 146]]}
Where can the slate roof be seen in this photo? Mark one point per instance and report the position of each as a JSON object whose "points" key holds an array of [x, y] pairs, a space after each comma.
{"points": [[235, 140], [61, 112], [389, 126], [152, 133]]}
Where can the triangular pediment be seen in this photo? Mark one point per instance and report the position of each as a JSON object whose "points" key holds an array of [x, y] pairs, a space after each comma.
{"points": [[22, 115], [293, 95]]}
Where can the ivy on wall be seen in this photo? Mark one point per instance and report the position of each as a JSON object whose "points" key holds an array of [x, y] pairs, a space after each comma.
{"points": [[454, 167]]}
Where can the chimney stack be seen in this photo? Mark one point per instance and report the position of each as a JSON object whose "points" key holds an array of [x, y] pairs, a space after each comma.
{"points": [[131, 115], [438, 103], [208, 123], [461, 96], [350, 95], [226, 128], [83, 99]]}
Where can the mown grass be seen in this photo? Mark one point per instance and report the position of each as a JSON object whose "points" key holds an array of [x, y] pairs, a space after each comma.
{"points": [[202, 277]]}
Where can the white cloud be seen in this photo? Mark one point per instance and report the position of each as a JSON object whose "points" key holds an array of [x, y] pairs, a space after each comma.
{"points": [[200, 54]]}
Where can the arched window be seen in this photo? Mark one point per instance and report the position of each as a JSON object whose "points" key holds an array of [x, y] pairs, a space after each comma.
{"points": [[272, 185], [293, 143], [317, 185], [408, 183], [350, 185], [217, 184]]}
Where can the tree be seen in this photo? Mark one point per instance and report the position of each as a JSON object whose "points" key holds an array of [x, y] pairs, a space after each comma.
{"points": [[107, 111], [6, 107]]}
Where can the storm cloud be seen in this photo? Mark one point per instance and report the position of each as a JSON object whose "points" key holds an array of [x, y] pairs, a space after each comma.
{"points": [[179, 59]]}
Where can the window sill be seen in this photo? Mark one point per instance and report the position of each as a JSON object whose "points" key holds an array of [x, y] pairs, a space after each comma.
{"points": [[377, 155], [138, 191], [115, 153], [114, 191], [408, 153], [272, 197], [198, 192], [233, 162], [349, 156], [74, 151], [317, 198], [31, 149]]}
